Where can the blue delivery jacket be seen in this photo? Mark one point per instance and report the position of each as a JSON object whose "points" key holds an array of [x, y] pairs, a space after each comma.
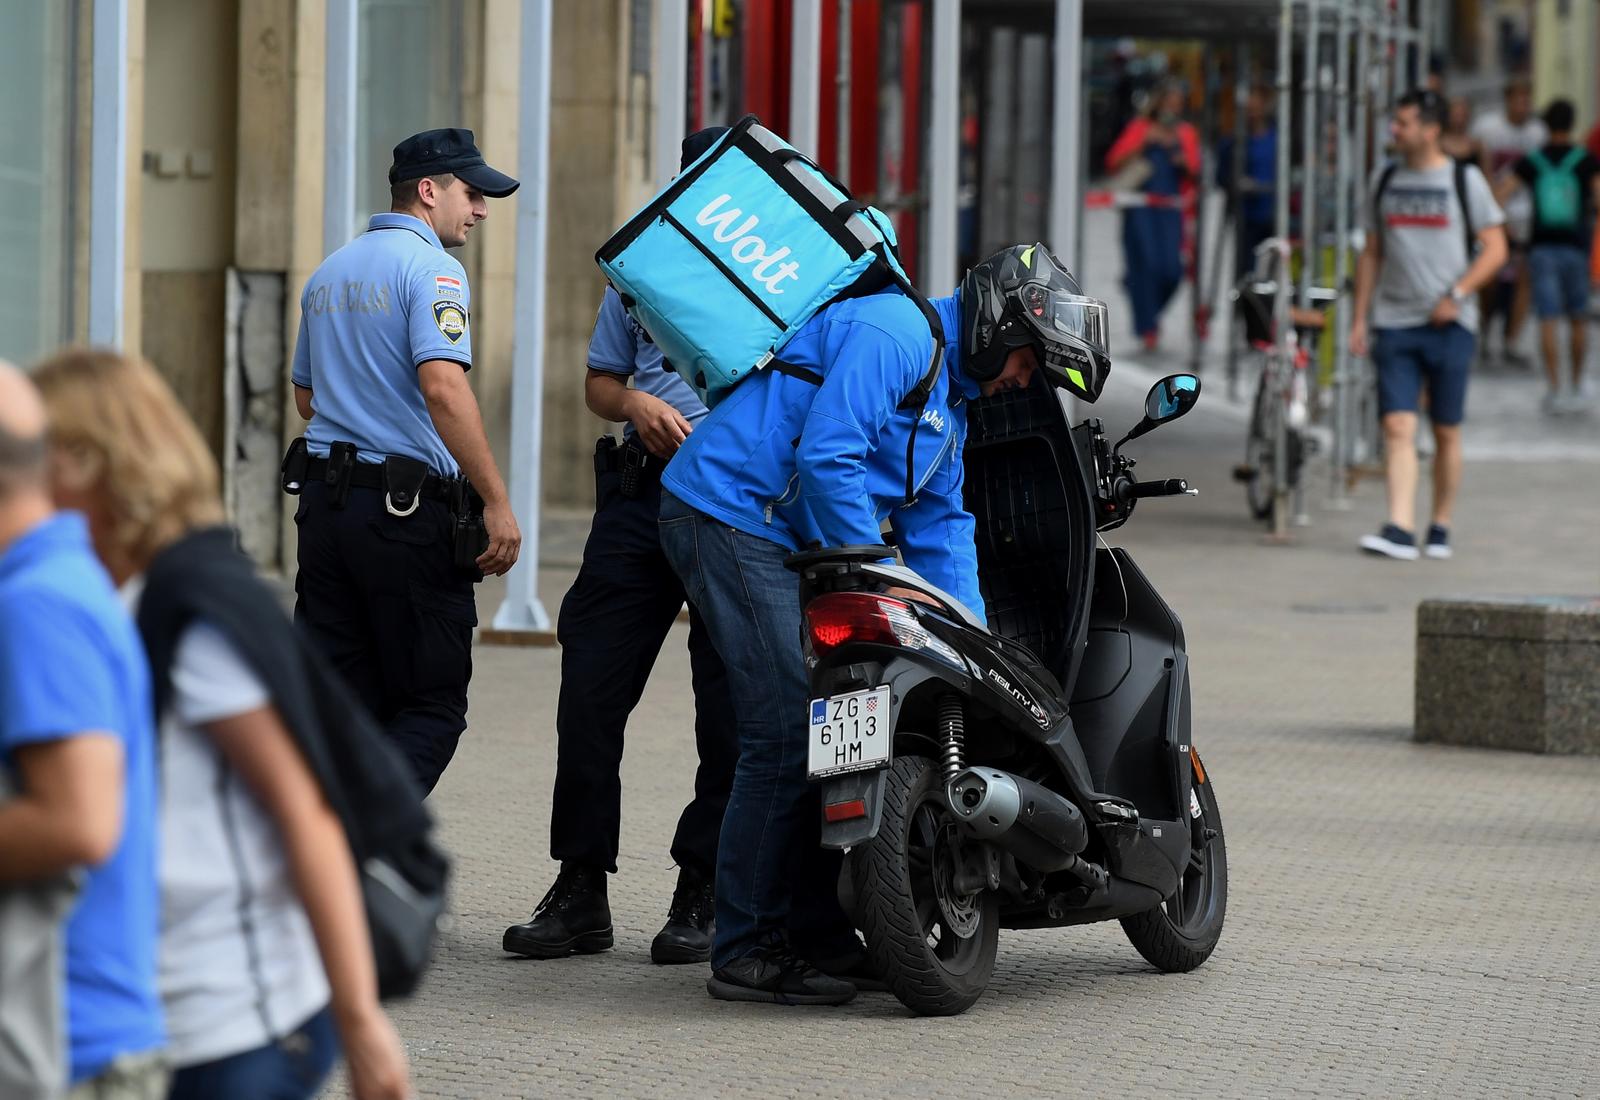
{"points": [[794, 463]]}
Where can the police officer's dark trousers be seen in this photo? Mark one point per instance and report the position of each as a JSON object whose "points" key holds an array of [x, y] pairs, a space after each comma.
{"points": [[612, 624], [383, 600]]}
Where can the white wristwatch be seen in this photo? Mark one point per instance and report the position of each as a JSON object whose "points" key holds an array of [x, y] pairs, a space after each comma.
{"points": [[1457, 295]]}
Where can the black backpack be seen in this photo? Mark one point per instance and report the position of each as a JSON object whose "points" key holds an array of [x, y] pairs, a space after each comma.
{"points": [[366, 782]]}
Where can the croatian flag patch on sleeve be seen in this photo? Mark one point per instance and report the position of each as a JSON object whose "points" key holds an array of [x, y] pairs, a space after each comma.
{"points": [[446, 286]]}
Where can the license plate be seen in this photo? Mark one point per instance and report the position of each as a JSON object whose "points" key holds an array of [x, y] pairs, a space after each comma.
{"points": [[849, 733]]}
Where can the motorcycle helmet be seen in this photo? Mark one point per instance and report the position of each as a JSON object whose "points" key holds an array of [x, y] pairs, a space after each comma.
{"points": [[1022, 296]]}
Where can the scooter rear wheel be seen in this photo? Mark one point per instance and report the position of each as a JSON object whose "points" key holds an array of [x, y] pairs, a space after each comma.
{"points": [[1180, 933], [936, 948]]}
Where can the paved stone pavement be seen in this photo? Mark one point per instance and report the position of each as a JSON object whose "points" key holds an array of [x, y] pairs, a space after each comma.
{"points": [[1403, 919]]}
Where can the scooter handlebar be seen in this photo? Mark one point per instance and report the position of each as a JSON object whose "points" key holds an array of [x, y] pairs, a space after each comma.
{"points": [[1170, 487], [1129, 490]]}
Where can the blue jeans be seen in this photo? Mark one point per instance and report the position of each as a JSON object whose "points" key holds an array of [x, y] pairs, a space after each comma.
{"points": [[773, 877], [293, 1068]]}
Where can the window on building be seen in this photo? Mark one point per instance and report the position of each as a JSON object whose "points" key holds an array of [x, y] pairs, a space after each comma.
{"points": [[37, 107], [412, 74]]}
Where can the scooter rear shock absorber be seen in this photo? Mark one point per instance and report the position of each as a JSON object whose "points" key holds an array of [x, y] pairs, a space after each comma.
{"points": [[952, 735]]}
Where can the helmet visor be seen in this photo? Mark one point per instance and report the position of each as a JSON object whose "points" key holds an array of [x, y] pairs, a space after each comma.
{"points": [[1053, 313]]}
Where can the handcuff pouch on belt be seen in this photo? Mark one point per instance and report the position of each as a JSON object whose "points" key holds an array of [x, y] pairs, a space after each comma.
{"points": [[402, 484]]}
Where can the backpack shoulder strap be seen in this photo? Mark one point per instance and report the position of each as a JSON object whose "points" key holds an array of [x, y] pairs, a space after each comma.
{"points": [[1540, 163], [803, 374], [1466, 207], [1377, 197], [1573, 158]]}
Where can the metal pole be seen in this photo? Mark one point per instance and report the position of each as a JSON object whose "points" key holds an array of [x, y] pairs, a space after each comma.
{"points": [[672, 85], [1341, 258], [842, 84], [339, 217], [108, 172], [1367, 78], [521, 610], [1397, 53], [1065, 108], [1382, 70], [1310, 153], [1410, 73], [944, 150], [1244, 56], [1208, 141], [1425, 24], [1280, 299], [805, 67]]}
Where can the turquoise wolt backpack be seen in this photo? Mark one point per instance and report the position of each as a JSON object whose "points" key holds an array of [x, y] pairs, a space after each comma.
{"points": [[741, 250]]}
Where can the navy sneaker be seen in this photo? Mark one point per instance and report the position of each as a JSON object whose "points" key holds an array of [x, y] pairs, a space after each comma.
{"points": [[1391, 542], [774, 974], [1438, 542]]}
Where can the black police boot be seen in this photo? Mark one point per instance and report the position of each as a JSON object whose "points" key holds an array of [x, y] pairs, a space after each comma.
{"points": [[573, 918], [686, 938]]}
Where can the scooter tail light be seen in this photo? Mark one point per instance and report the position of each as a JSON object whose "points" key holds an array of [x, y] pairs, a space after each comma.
{"points": [[841, 618]]}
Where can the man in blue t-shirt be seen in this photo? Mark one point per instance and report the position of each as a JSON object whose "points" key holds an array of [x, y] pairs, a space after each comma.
{"points": [[613, 621], [77, 745]]}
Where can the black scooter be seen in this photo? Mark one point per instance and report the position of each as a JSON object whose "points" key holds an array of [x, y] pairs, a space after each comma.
{"points": [[1033, 773]]}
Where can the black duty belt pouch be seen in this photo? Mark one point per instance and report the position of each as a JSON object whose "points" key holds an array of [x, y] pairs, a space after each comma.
{"points": [[341, 464], [402, 484], [469, 534], [296, 461]]}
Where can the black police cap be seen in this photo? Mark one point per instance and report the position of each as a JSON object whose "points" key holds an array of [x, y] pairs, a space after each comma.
{"points": [[436, 152]]}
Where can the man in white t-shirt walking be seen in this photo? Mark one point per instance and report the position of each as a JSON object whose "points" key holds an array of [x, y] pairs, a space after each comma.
{"points": [[1506, 136], [1434, 238]]}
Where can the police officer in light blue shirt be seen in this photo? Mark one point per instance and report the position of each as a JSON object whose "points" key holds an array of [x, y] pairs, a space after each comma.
{"points": [[388, 528], [612, 625]]}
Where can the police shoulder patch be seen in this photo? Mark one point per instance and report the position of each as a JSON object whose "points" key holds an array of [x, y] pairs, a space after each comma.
{"points": [[451, 319]]}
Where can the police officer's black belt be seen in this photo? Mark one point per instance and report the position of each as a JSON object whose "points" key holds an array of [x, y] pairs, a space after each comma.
{"points": [[369, 475]]}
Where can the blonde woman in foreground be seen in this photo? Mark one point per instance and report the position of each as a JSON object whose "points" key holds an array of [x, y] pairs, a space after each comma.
{"points": [[266, 967]]}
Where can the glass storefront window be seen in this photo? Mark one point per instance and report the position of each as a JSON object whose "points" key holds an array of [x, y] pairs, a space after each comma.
{"points": [[412, 61], [37, 107]]}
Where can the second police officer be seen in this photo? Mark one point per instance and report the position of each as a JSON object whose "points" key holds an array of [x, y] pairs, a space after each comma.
{"points": [[392, 538], [613, 622]]}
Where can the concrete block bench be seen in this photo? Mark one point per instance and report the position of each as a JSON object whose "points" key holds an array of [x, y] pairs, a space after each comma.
{"points": [[1510, 673]]}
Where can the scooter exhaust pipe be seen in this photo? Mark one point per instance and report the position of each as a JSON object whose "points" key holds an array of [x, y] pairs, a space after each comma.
{"points": [[1033, 823]]}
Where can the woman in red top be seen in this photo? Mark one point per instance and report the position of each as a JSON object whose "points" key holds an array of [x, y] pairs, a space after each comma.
{"points": [[1153, 236]]}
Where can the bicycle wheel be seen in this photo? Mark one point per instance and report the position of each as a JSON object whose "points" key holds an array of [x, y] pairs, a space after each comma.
{"points": [[1259, 464]]}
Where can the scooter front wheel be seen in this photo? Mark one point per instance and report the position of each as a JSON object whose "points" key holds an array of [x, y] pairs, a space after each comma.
{"points": [[935, 947], [1182, 932]]}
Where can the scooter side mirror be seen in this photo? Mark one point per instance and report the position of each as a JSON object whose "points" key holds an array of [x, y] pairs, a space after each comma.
{"points": [[1167, 400]]}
